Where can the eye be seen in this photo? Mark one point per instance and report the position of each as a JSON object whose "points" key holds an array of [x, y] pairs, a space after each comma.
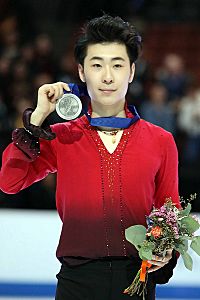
{"points": [[97, 66], [118, 66]]}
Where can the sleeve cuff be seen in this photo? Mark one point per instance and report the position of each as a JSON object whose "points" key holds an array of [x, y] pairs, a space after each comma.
{"points": [[43, 132], [26, 142]]}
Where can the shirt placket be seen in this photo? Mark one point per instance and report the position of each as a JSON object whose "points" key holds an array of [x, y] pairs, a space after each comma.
{"points": [[112, 192]]}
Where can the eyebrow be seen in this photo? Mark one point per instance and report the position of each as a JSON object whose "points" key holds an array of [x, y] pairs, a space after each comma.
{"points": [[113, 59]]}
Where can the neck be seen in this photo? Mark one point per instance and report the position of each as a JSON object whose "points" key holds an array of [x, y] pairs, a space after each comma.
{"points": [[108, 110]]}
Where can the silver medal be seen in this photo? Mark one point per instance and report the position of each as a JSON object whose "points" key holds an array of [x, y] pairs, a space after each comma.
{"points": [[69, 106]]}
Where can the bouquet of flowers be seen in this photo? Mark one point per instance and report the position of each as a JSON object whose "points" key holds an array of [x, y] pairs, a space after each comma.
{"points": [[167, 228]]}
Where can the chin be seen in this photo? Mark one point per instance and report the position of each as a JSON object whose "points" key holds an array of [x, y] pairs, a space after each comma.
{"points": [[109, 102]]}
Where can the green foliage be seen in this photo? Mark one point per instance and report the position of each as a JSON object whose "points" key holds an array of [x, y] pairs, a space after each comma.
{"points": [[135, 234], [181, 247], [185, 212], [167, 228], [187, 260], [145, 254], [195, 245], [190, 224], [146, 250]]}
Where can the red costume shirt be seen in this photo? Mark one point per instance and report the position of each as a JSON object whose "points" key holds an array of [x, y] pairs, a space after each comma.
{"points": [[99, 194]]}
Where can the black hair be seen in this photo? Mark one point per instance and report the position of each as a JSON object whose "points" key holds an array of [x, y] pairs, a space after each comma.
{"points": [[108, 29]]}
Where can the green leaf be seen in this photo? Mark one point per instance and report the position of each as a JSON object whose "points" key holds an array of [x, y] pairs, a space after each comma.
{"points": [[182, 247], [150, 245], [187, 259], [185, 237], [185, 212], [190, 223], [145, 254], [195, 245], [136, 234]]}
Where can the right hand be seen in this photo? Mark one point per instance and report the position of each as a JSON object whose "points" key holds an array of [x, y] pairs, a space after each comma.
{"points": [[48, 94]]}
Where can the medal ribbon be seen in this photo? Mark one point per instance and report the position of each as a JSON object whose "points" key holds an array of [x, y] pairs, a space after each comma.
{"points": [[114, 122]]}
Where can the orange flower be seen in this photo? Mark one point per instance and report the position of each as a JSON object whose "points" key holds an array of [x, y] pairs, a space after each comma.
{"points": [[156, 231]]}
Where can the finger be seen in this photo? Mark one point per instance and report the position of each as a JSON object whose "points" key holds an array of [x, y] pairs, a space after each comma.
{"points": [[164, 259], [153, 269], [50, 92], [53, 94], [56, 93], [65, 86], [169, 253], [157, 263], [60, 88], [157, 258]]}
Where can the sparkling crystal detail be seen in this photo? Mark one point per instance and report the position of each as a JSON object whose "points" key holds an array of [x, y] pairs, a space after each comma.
{"points": [[111, 173]]}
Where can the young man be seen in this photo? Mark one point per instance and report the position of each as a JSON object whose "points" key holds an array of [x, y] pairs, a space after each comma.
{"points": [[108, 178]]}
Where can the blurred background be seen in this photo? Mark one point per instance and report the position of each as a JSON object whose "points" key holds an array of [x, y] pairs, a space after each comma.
{"points": [[36, 47]]}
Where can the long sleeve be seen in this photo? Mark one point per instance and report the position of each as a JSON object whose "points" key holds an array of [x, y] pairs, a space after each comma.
{"points": [[19, 171], [167, 186], [166, 181], [29, 158]]}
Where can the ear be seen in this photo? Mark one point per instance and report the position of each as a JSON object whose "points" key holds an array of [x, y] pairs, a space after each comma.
{"points": [[132, 73], [81, 72]]}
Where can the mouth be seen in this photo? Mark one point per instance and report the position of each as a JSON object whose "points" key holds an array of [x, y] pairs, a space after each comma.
{"points": [[107, 91]]}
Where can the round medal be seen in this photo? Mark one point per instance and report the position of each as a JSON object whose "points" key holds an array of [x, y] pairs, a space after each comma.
{"points": [[69, 106]]}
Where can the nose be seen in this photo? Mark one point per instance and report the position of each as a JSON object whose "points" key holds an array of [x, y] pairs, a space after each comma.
{"points": [[107, 76]]}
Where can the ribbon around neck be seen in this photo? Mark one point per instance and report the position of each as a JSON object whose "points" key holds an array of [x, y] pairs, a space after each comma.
{"points": [[113, 122]]}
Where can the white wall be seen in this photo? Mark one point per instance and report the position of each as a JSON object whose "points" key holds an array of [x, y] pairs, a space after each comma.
{"points": [[28, 241]]}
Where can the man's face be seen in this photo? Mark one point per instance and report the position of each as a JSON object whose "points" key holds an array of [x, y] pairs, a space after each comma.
{"points": [[107, 73]]}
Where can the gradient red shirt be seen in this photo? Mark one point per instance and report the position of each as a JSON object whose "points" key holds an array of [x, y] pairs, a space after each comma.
{"points": [[99, 194]]}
